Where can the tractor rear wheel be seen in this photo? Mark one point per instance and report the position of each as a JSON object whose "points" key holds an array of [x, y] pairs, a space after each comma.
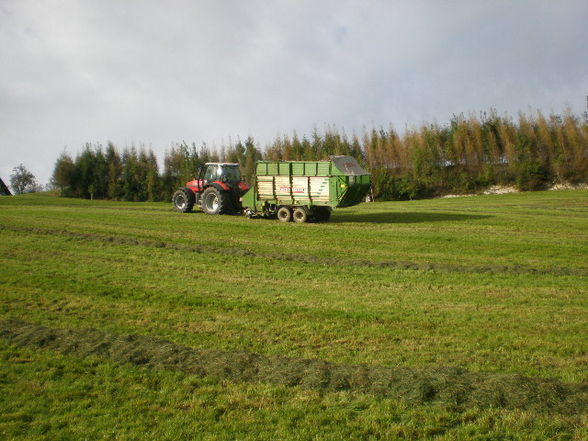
{"points": [[284, 214], [300, 215], [215, 201], [183, 200]]}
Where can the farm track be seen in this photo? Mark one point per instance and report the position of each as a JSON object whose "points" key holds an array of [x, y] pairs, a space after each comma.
{"points": [[456, 387], [239, 252]]}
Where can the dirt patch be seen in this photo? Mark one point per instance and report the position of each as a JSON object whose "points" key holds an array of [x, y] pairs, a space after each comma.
{"points": [[505, 189], [568, 186], [241, 252], [495, 189], [454, 387]]}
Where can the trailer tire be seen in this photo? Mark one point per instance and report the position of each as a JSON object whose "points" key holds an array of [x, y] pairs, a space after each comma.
{"points": [[300, 215], [322, 214], [284, 214], [215, 201], [183, 200]]}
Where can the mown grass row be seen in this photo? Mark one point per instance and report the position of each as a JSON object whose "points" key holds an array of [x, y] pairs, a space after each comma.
{"points": [[453, 387], [52, 396]]}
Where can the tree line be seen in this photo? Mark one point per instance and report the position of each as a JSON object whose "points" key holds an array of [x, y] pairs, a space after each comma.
{"points": [[472, 153], [466, 155], [133, 174]]}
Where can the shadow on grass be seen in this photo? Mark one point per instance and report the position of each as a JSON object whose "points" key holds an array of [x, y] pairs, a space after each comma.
{"points": [[384, 217]]}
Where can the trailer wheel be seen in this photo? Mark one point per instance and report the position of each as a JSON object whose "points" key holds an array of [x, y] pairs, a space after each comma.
{"points": [[284, 214], [215, 201], [322, 214], [300, 215], [183, 200]]}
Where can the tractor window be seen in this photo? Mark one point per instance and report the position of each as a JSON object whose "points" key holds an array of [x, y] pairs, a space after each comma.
{"points": [[232, 174], [212, 173]]}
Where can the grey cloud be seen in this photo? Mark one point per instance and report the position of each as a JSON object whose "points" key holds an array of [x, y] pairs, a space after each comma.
{"points": [[144, 72]]}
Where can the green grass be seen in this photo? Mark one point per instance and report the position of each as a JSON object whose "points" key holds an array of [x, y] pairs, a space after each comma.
{"points": [[491, 284]]}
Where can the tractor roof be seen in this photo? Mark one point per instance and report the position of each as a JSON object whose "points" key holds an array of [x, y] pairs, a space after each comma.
{"points": [[222, 163]]}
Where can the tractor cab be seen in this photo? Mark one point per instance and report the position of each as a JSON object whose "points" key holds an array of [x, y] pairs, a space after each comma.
{"points": [[224, 172], [226, 175]]}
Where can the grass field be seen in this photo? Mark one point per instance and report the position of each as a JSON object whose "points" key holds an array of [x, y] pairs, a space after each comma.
{"points": [[449, 319]]}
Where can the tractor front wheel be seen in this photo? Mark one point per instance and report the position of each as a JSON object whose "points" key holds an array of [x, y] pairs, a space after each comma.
{"points": [[215, 201], [183, 200]]}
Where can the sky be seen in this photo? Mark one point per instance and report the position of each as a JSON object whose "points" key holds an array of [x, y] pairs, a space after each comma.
{"points": [[152, 73]]}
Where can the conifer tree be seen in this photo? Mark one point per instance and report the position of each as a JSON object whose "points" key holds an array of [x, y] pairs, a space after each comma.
{"points": [[63, 174], [114, 188]]}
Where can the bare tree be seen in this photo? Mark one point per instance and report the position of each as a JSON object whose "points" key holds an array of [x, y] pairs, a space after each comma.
{"points": [[22, 180]]}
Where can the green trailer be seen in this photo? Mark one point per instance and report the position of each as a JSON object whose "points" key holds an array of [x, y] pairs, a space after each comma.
{"points": [[305, 190]]}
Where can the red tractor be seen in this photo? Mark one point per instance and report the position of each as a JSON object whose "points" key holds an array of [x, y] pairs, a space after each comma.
{"points": [[217, 188]]}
